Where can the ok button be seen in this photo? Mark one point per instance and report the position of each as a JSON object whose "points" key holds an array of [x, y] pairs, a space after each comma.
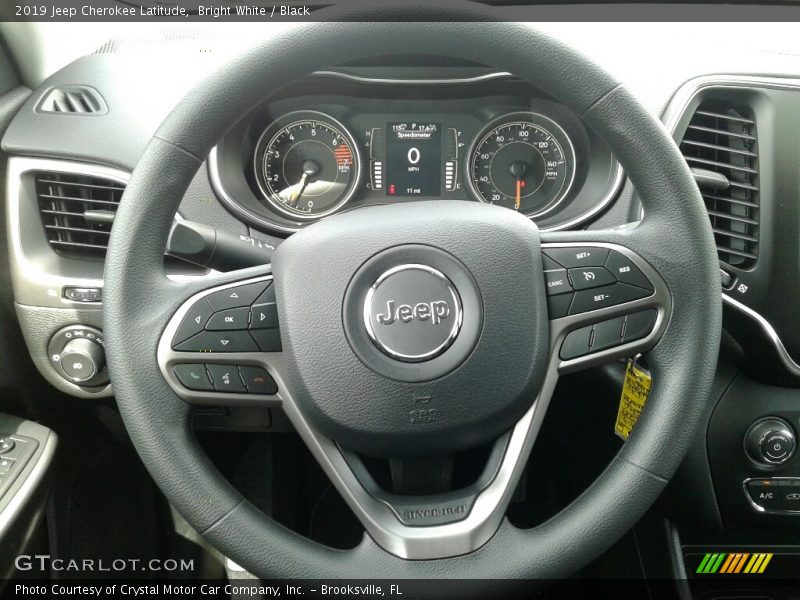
{"points": [[226, 320]]}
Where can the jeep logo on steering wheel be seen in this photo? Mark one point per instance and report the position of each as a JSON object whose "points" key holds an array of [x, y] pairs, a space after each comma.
{"points": [[422, 311], [424, 301]]}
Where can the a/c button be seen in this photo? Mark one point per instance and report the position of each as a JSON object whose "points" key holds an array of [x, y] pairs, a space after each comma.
{"points": [[766, 493]]}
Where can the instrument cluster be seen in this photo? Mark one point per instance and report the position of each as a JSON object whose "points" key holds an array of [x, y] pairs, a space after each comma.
{"points": [[298, 159]]}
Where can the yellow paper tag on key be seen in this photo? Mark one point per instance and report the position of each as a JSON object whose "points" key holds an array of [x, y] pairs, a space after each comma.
{"points": [[635, 390]]}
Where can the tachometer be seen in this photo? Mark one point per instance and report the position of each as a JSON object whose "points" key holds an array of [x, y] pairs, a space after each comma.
{"points": [[307, 165], [523, 161]]}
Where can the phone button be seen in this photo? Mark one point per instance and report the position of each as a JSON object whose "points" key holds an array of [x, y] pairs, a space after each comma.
{"points": [[193, 377]]}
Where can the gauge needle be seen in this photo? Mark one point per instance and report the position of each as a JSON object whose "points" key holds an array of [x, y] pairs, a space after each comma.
{"points": [[310, 168], [518, 169]]}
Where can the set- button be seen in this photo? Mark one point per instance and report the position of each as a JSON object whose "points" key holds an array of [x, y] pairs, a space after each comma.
{"points": [[237, 319], [225, 378], [583, 278]]}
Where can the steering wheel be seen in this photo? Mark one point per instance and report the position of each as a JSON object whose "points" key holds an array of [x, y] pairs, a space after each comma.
{"points": [[415, 329]]}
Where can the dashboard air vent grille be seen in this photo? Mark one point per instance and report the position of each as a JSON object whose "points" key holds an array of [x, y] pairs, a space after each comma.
{"points": [[75, 99], [721, 147], [77, 212]]}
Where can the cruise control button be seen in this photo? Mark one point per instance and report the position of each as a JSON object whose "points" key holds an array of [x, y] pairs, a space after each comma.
{"points": [[639, 325], [242, 295], [790, 494], [590, 277], [603, 297], [193, 377], [222, 341], [193, 321], [264, 316], [233, 318], [226, 378], [557, 282], [558, 306], [765, 493], [574, 257], [625, 271], [268, 340], [576, 343], [258, 381], [607, 334]]}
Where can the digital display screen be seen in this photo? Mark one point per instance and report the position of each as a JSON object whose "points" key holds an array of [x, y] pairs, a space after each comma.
{"points": [[414, 159]]}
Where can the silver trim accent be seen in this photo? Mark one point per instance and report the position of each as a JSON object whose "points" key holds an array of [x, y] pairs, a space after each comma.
{"points": [[688, 91], [768, 511], [675, 110], [458, 309], [769, 330], [379, 520], [293, 118], [418, 81], [514, 118]]}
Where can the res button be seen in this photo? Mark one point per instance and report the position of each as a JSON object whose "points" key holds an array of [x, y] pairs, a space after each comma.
{"points": [[627, 272]]}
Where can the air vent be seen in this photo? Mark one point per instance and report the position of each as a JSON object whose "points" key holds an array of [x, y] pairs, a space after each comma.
{"points": [[75, 99], [77, 212], [721, 147]]}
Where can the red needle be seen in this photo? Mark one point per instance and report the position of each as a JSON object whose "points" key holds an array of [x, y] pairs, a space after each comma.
{"points": [[519, 192]]}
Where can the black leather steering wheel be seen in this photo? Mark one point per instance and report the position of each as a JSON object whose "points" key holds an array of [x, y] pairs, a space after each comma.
{"points": [[492, 383]]}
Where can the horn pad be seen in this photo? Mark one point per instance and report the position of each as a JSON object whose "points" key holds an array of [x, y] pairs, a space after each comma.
{"points": [[416, 328]]}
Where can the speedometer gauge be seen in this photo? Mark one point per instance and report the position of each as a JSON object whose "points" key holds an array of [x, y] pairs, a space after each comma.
{"points": [[523, 161], [307, 165]]}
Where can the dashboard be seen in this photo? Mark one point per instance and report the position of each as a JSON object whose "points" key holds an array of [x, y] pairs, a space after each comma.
{"points": [[339, 141]]}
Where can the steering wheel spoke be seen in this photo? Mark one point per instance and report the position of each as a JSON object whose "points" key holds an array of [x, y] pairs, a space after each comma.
{"points": [[431, 526]]}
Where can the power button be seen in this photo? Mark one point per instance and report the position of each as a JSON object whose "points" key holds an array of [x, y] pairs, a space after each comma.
{"points": [[770, 442]]}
